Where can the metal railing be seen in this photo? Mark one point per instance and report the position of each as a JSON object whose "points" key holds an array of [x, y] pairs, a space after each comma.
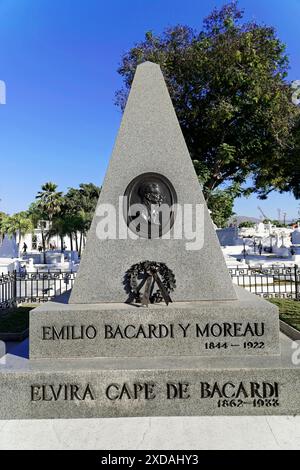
{"points": [[7, 290], [272, 281], [31, 287], [41, 286]]}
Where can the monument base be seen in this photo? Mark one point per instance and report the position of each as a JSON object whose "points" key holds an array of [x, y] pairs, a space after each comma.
{"points": [[157, 386], [248, 325]]}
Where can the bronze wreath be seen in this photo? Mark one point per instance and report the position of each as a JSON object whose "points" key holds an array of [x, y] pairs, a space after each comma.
{"points": [[149, 273]]}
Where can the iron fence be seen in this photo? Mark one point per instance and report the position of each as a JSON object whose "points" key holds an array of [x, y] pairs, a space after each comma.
{"points": [[272, 281], [41, 286], [7, 290], [31, 287]]}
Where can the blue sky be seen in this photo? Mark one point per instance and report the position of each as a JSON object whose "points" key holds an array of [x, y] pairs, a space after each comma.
{"points": [[59, 59]]}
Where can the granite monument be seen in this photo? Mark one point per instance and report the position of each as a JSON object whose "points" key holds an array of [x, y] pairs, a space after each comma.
{"points": [[153, 325]]}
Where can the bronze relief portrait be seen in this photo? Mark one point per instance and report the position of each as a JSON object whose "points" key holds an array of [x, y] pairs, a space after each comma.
{"points": [[148, 207]]}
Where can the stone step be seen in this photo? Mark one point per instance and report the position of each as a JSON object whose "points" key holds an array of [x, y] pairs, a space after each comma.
{"points": [[154, 386]]}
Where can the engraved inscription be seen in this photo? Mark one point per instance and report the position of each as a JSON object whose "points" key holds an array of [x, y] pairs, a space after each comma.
{"points": [[240, 390], [231, 329], [66, 332], [61, 392], [135, 391], [159, 331], [178, 390], [209, 338], [139, 331], [229, 393]]}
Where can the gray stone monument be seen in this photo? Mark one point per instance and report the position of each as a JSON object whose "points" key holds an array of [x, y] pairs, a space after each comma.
{"points": [[153, 325]]}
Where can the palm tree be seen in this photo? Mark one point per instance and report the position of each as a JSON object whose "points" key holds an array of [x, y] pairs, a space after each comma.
{"points": [[50, 200], [58, 227], [74, 224], [3, 217], [49, 204], [17, 225]]}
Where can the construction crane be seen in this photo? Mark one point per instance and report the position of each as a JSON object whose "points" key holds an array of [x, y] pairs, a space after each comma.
{"points": [[262, 213]]}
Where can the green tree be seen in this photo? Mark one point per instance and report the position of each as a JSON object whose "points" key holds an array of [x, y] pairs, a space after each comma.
{"points": [[17, 225], [79, 206], [288, 174], [50, 200], [2, 221], [229, 89], [49, 203], [60, 226], [278, 223], [247, 224], [221, 205]]}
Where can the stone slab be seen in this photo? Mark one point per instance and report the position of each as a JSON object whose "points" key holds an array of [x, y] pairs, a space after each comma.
{"points": [[150, 140], [165, 386], [247, 326]]}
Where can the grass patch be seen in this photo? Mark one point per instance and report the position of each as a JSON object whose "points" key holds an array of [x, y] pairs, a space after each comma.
{"points": [[289, 311], [16, 320]]}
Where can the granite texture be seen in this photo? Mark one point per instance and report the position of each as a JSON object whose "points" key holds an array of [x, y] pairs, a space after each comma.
{"points": [[247, 326], [242, 386], [150, 140]]}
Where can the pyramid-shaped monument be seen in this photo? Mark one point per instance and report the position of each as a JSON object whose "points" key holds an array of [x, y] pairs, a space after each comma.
{"points": [[150, 145], [151, 244], [154, 325]]}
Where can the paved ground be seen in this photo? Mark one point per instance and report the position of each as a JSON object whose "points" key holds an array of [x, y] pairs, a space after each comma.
{"points": [[273, 432], [229, 432]]}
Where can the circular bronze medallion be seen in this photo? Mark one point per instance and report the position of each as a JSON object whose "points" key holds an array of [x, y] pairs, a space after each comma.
{"points": [[148, 205]]}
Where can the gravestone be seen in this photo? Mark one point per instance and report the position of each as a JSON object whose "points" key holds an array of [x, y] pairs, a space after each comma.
{"points": [[9, 248], [153, 325], [296, 236], [229, 236]]}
